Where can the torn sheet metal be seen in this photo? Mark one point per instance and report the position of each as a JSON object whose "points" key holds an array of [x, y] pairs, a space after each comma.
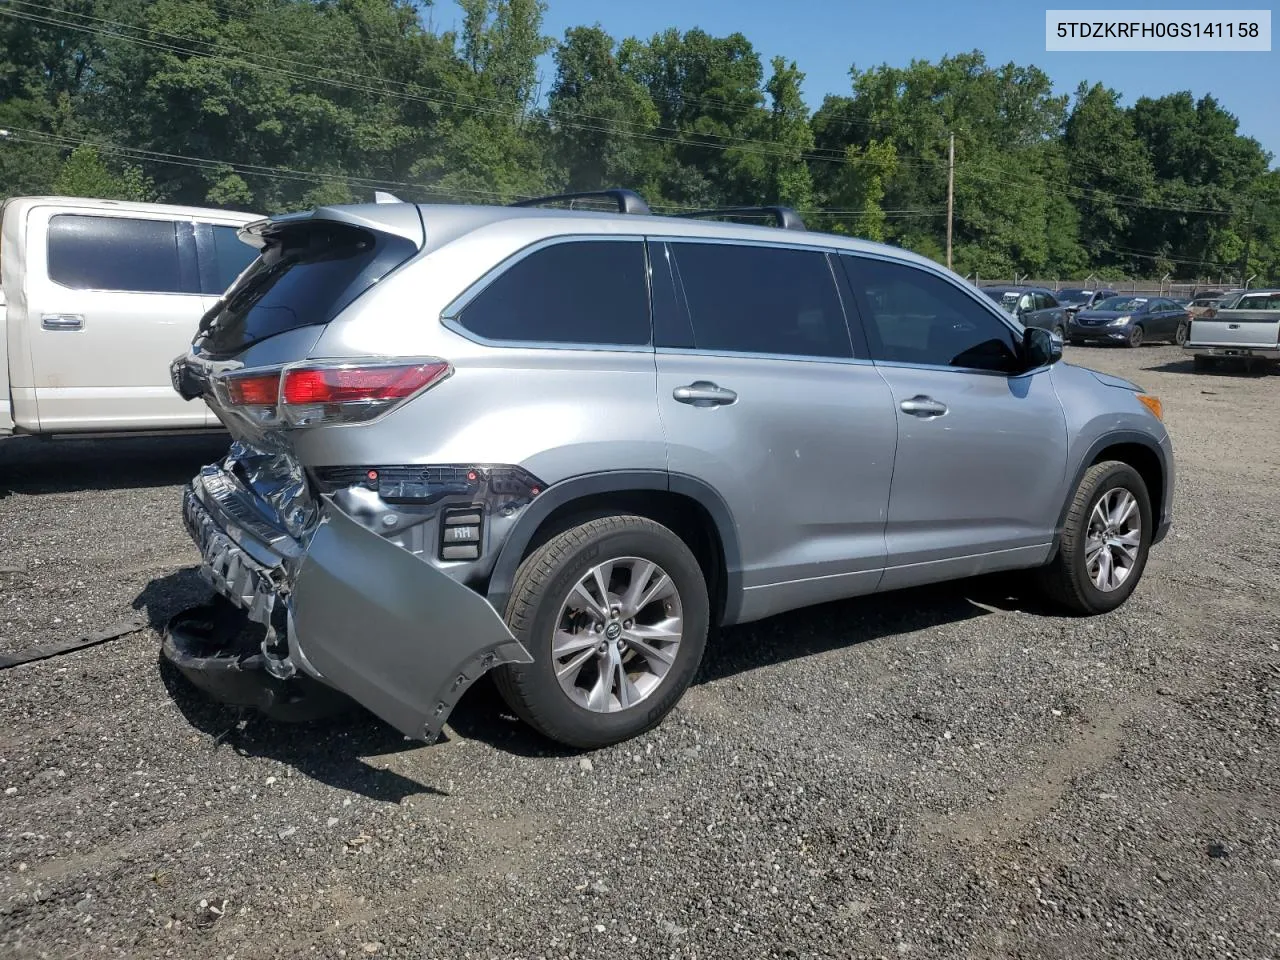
{"points": [[390, 630]]}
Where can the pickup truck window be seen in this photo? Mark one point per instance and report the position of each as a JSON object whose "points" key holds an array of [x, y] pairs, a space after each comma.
{"points": [[1260, 301], [117, 253], [232, 255]]}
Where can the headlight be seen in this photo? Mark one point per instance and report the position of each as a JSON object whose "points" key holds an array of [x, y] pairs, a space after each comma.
{"points": [[1119, 321]]}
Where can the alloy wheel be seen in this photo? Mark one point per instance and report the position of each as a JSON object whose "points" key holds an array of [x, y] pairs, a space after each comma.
{"points": [[617, 634], [1113, 539]]}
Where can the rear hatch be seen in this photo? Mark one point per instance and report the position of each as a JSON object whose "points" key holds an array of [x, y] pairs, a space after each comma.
{"points": [[310, 267], [1250, 319]]}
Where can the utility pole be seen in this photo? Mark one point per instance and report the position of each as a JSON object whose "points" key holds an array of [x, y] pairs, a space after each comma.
{"points": [[951, 184], [1248, 237]]}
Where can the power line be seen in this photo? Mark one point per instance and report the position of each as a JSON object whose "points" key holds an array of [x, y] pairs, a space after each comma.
{"points": [[314, 176], [748, 145]]}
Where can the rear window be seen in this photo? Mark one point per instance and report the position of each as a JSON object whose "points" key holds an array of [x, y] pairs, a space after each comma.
{"points": [[306, 274], [119, 254]]}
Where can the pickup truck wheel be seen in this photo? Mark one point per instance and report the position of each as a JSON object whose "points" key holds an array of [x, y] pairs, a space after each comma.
{"points": [[615, 612], [1136, 335], [1181, 336], [1104, 544]]}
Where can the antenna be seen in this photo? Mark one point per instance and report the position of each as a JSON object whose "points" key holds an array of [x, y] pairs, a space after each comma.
{"points": [[381, 196]]}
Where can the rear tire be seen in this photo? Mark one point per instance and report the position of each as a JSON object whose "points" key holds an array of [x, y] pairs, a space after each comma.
{"points": [[602, 658], [1080, 578], [1136, 335]]}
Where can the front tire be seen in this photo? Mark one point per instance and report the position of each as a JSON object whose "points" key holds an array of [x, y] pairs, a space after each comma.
{"points": [[615, 612], [1136, 336], [1180, 337], [1105, 541]]}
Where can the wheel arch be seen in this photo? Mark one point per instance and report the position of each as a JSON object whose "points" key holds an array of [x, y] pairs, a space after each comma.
{"points": [[689, 507], [1140, 451]]}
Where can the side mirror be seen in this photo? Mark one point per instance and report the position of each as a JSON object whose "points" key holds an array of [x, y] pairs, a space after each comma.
{"points": [[1040, 348]]}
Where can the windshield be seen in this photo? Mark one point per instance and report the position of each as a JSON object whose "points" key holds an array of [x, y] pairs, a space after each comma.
{"points": [[1008, 299], [1122, 304], [306, 273]]}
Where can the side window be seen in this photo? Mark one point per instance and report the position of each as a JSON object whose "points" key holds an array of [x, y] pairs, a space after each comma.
{"points": [[757, 299], [1026, 302], [578, 291], [915, 316], [116, 253], [231, 256], [1047, 302]]}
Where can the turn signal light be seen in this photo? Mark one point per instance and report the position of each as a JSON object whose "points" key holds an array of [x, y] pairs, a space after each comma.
{"points": [[1153, 404], [258, 390]]}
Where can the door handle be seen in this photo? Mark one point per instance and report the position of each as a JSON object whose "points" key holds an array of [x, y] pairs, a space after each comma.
{"points": [[704, 394], [62, 321], [922, 406]]}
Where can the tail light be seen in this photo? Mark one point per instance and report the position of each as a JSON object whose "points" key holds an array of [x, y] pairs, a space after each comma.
{"points": [[309, 394]]}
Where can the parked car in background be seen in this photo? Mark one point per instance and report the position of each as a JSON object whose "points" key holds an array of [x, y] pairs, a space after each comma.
{"points": [[562, 445], [1033, 306], [1244, 326], [1202, 302], [1130, 320], [1075, 299], [97, 297]]}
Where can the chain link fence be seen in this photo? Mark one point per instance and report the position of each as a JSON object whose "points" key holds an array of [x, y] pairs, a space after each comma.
{"points": [[1158, 288]]}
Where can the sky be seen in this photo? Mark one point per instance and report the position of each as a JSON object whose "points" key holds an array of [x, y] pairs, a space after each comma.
{"points": [[826, 37]]}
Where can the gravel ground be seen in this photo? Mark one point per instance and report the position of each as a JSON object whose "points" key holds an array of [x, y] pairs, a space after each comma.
{"points": [[939, 773]]}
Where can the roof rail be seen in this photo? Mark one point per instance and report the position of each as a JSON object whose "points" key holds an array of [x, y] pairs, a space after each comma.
{"points": [[784, 217], [628, 201]]}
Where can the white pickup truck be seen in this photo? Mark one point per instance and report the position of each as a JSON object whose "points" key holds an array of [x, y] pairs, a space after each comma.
{"points": [[96, 299], [1244, 325]]}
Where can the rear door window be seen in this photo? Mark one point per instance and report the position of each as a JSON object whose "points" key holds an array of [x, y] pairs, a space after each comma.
{"points": [[741, 298], [307, 273], [121, 254], [588, 292]]}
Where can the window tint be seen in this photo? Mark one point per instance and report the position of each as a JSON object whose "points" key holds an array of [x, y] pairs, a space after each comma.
{"points": [[307, 273], [115, 253], [915, 316], [1045, 302], [231, 256], [589, 292], [770, 300]]}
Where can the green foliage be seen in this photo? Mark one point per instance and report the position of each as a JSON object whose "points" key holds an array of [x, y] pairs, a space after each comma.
{"points": [[274, 105], [83, 174]]}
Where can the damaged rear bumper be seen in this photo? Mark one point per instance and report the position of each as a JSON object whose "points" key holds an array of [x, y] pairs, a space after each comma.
{"points": [[342, 606]]}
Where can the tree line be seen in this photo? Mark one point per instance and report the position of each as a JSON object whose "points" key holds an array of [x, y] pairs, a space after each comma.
{"points": [[275, 105]]}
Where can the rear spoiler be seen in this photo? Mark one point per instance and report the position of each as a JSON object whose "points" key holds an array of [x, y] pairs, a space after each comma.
{"points": [[399, 219]]}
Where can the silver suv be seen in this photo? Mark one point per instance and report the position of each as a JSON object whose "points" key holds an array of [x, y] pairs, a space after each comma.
{"points": [[561, 445]]}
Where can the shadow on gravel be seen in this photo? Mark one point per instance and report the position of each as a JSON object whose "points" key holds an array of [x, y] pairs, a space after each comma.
{"points": [[31, 465], [846, 623], [329, 750], [1237, 369]]}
